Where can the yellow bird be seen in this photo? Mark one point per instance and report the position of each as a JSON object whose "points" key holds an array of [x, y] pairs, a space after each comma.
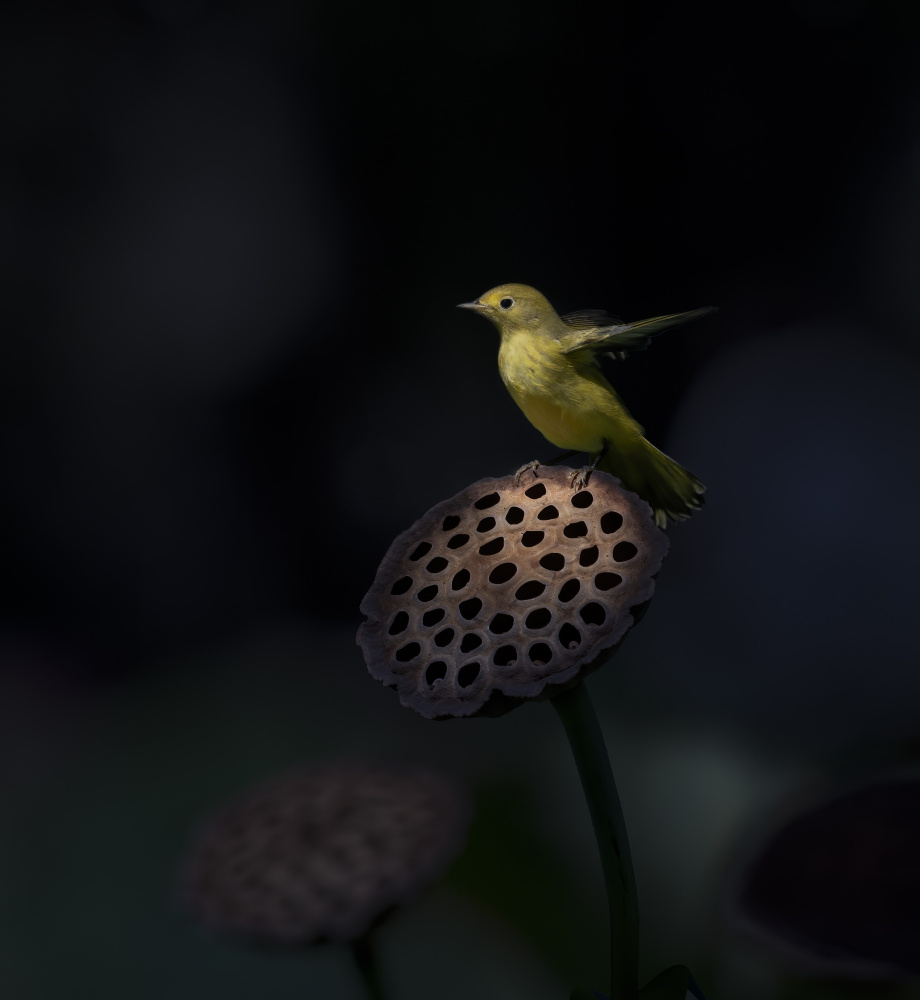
{"points": [[549, 364]]}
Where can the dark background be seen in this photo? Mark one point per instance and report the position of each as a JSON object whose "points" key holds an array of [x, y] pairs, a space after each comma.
{"points": [[232, 241]]}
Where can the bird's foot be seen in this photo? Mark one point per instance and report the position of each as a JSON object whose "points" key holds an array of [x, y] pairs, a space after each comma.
{"points": [[578, 479], [529, 467]]}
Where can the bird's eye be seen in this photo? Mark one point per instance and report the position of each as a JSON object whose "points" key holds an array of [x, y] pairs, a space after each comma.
{"points": [[506, 303]]}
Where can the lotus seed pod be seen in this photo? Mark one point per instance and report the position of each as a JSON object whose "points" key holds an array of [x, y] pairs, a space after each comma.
{"points": [[507, 593], [834, 888], [323, 853]]}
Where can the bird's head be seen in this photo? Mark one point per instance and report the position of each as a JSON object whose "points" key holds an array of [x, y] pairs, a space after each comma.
{"points": [[514, 308]]}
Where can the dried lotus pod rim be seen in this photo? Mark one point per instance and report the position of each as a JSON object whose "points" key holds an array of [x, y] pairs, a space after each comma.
{"points": [[323, 852], [472, 609]]}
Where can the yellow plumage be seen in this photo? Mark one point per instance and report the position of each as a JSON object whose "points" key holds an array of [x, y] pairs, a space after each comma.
{"points": [[549, 365]]}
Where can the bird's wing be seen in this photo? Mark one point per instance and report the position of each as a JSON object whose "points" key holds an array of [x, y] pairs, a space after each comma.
{"points": [[618, 339], [589, 319]]}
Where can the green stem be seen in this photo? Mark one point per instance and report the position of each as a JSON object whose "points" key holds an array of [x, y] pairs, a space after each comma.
{"points": [[366, 960], [587, 741]]}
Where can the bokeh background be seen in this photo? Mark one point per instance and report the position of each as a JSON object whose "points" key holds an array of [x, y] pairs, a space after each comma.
{"points": [[232, 240]]}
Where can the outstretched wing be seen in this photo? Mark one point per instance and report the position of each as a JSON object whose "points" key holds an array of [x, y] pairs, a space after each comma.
{"points": [[589, 330], [590, 319]]}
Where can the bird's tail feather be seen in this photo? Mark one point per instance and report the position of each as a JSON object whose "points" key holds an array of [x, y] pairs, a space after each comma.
{"points": [[673, 492]]}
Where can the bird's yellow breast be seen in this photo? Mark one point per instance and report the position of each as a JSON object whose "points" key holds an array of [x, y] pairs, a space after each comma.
{"points": [[569, 401]]}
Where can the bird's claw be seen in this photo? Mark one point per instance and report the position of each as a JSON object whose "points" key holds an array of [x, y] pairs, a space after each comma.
{"points": [[578, 479], [529, 467]]}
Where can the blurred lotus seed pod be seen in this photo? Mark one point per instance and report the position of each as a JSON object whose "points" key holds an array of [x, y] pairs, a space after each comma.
{"points": [[325, 852], [506, 593], [834, 887]]}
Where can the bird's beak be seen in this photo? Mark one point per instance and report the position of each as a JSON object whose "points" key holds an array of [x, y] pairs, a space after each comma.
{"points": [[475, 304]]}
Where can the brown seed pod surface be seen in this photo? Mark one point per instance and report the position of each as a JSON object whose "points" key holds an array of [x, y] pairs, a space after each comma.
{"points": [[506, 593], [830, 881], [323, 853]]}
